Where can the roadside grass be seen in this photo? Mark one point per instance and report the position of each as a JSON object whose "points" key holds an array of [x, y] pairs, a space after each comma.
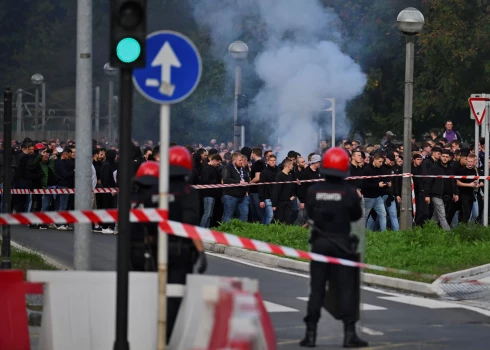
{"points": [[22, 260], [428, 250]]}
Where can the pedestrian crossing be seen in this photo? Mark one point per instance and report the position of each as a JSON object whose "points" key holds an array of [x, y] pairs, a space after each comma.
{"points": [[403, 299]]}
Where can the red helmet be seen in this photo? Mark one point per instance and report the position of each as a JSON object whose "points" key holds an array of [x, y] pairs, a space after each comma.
{"points": [[335, 162], [39, 146], [180, 161], [148, 173]]}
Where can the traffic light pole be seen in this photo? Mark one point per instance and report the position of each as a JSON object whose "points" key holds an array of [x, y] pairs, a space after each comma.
{"points": [[123, 241], [7, 196]]}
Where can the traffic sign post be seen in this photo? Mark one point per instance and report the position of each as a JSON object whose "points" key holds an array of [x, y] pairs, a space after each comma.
{"points": [[172, 73], [479, 107]]}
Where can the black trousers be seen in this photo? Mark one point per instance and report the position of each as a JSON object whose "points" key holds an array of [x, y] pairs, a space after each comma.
{"points": [[422, 207], [181, 259], [466, 207], [283, 211], [320, 273]]}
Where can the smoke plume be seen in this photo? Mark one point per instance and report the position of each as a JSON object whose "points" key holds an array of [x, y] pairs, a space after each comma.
{"points": [[299, 61]]}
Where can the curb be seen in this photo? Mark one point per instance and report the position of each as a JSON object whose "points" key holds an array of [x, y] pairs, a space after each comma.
{"points": [[47, 259], [414, 287], [477, 270]]}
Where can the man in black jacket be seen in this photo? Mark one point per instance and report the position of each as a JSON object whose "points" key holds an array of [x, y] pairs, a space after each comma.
{"points": [[371, 190], [442, 193], [266, 191], [209, 176], [235, 197], [356, 169], [109, 200], [284, 194], [309, 173], [389, 194], [65, 174]]}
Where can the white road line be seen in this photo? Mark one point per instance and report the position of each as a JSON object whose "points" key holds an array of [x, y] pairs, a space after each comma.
{"points": [[421, 302], [272, 307], [364, 306], [370, 331]]}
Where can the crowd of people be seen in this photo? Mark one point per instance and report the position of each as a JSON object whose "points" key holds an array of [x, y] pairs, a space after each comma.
{"points": [[51, 165]]}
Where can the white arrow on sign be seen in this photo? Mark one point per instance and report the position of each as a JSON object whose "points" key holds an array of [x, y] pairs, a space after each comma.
{"points": [[167, 59], [478, 109]]}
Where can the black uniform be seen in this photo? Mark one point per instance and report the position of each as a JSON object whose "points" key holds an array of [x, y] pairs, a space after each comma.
{"points": [[182, 254], [331, 206]]}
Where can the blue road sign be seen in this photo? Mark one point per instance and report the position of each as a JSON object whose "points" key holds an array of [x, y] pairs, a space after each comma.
{"points": [[173, 68]]}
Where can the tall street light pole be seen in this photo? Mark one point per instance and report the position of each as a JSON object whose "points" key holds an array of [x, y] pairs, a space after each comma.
{"points": [[111, 72], [410, 22], [239, 51], [37, 80]]}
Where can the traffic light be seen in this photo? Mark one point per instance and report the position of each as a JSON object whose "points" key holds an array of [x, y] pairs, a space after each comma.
{"points": [[242, 103], [128, 34]]}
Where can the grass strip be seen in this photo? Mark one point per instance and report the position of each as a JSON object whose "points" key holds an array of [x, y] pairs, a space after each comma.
{"points": [[428, 250], [22, 260]]}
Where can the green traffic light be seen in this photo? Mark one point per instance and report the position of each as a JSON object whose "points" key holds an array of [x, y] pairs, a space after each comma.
{"points": [[128, 50]]}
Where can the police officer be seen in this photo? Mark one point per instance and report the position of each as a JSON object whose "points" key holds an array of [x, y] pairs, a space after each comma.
{"points": [[331, 207], [183, 253]]}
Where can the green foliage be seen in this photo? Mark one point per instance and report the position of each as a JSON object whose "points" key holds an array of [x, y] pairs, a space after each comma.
{"points": [[22, 260], [425, 250]]}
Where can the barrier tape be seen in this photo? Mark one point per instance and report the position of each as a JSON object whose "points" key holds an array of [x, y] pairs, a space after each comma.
{"points": [[59, 191], [186, 231], [200, 187], [414, 201]]}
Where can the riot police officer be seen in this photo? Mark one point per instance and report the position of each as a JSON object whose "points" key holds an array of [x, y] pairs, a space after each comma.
{"points": [[183, 253], [331, 206]]}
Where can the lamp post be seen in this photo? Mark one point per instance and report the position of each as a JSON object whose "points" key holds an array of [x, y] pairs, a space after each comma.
{"points": [[410, 22], [239, 51], [38, 80], [111, 72]]}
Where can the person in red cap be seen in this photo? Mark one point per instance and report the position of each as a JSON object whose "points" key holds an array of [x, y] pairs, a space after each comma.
{"points": [[183, 253], [331, 207]]}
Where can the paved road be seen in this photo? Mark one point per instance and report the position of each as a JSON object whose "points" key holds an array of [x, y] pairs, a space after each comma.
{"points": [[390, 320]]}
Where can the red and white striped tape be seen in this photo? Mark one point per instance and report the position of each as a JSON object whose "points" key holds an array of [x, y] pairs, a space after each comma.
{"points": [[187, 231], [414, 202], [200, 187], [59, 191]]}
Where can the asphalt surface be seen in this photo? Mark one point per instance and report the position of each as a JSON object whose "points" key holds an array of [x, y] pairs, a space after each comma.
{"points": [[389, 320]]}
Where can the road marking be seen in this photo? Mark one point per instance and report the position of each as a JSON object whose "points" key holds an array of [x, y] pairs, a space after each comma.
{"points": [[370, 331], [272, 307], [421, 302], [369, 289], [364, 306]]}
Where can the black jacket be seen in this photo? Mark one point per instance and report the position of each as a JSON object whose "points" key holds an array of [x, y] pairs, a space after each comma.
{"points": [[231, 175], [356, 171], [267, 175], [210, 176], [283, 192], [332, 206], [65, 172], [306, 174], [418, 182], [107, 170], [435, 187], [370, 187]]}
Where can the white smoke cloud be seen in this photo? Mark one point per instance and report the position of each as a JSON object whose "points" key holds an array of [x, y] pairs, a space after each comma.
{"points": [[301, 62]]}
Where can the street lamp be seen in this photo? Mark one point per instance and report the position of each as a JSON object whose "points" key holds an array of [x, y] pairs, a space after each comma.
{"points": [[111, 72], [410, 22], [239, 51], [38, 80]]}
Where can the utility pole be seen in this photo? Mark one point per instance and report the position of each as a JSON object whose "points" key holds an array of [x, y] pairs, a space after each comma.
{"points": [[83, 132], [7, 161]]}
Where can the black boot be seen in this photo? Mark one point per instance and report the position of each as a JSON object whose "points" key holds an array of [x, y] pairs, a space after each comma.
{"points": [[310, 337], [351, 340]]}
